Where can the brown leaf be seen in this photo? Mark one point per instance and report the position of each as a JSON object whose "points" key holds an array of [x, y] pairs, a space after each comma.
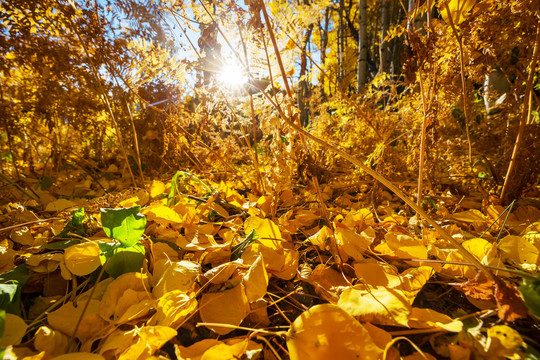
{"points": [[511, 305]]}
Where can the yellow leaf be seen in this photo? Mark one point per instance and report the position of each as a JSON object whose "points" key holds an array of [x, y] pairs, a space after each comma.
{"points": [[428, 318], [481, 249], [82, 259], [405, 246], [282, 263], [504, 341], [328, 332], [196, 351], [162, 214], [469, 216], [376, 304], [220, 210], [330, 279], [377, 274], [65, 319], [59, 205], [519, 250], [49, 340], [132, 305], [320, 238], [115, 294], [22, 236], [256, 280], [136, 344], [150, 339], [157, 188], [359, 220], [221, 273], [171, 276], [117, 342], [44, 263], [226, 351], [458, 10], [14, 330], [226, 307], [290, 44], [173, 308], [267, 231], [352, 244], [306, 218]]}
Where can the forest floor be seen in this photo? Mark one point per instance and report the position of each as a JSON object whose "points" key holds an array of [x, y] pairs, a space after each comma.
{"points": [[190, 268]]}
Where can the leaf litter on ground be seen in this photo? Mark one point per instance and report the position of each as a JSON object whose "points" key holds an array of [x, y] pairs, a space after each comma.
{"points": [[193, 269]]}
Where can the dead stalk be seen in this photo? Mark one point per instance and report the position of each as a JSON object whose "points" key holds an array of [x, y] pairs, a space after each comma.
{"points": [[466, 254], [525, 113]]}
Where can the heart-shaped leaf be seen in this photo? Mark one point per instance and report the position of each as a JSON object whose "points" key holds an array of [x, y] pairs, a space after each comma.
{"points": [[530, 289], [125, 225]]}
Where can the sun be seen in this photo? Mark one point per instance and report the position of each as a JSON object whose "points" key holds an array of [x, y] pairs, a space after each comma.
{"points": [[232, 76]]}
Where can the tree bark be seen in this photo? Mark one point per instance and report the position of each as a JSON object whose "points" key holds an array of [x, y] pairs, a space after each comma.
{"points": [[302, 90], [383, 48], [362, 46]]}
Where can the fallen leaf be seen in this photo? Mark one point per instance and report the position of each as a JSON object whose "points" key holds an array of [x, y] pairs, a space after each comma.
{"points": [[66, 318], [14, 328], [53, 342], [82, 259], [429, 318], [227, 307], [520, 251], [59, 205], [173, 308], [256, 280], [171, 276], [376, 304], [116, 301], [328, 332], [504, 341], [267, 231]]}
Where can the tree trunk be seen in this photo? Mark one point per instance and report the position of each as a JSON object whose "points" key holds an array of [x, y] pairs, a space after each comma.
{"points": [[383, 48], [340, 49], [302, 90], [324, 43], [362, 46]]}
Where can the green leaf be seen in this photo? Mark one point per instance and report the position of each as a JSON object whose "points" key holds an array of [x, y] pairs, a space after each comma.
{"points": [[11, 284], [2, 323], [125, 225], [61, 245], [530, 289], [46, 182], [122, 260], [74, 226], [179, 182], [238, 249]]}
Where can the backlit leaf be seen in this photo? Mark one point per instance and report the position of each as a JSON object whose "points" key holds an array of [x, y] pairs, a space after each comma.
{"points": [[256, 280], [328, 332], [125, 225], [376, 304], [227, 307], [458, 10], [530, 290], [82, 259]]}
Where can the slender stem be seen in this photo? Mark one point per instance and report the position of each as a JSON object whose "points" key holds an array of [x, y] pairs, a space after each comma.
{"points": [[459, 39], [524, 115], [422, 141], [276, 49]]}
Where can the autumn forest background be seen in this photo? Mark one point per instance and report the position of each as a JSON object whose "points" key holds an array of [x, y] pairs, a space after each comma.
{"points": [[270, 180]]}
